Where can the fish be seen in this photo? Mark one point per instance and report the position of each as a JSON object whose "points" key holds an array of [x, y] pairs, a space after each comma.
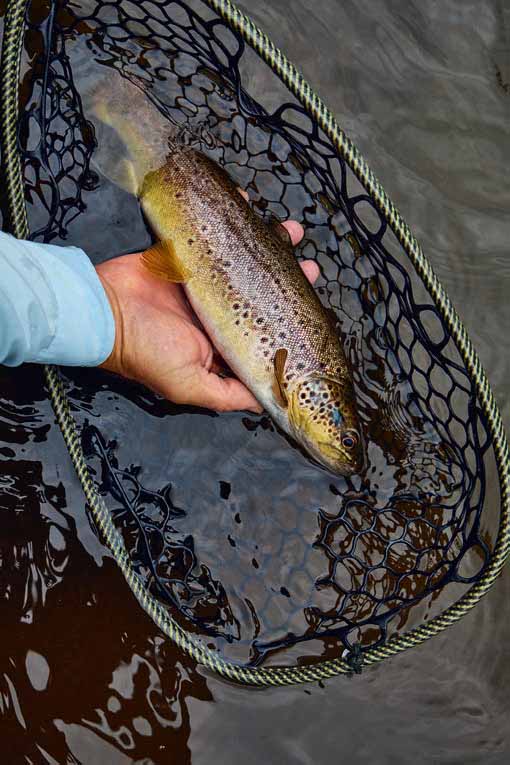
{"points": [[243, 280]]}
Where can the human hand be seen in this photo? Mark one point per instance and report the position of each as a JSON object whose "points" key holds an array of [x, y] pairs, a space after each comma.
{"points": [[159, 341]]}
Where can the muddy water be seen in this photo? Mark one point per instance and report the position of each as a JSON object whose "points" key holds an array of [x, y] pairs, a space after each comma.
{"points": [[423, 89]]}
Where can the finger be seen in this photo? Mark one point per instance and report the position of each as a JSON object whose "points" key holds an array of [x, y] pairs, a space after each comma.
{"points": [[223, 394], [311, 270], [295, 229]]}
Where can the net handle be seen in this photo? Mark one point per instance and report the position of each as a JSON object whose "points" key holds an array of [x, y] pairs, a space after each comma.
{"points": [[9, 103]]}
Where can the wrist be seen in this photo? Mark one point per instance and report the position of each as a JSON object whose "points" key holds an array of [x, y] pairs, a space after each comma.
{"points": [[114, 361]]}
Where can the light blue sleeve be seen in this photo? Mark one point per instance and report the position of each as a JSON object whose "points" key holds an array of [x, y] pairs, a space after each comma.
{"points": [[53, 307]]}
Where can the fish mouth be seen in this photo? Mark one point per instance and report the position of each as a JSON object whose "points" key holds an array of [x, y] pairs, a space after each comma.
{"points": [[349, 467], [338, 468], [333, 460]]}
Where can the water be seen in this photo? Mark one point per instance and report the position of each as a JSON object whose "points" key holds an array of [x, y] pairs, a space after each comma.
{"points": [[421, 90]]}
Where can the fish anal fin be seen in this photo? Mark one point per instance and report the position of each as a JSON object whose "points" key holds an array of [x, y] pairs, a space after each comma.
{"points": [[280, 359], [161, 261]]}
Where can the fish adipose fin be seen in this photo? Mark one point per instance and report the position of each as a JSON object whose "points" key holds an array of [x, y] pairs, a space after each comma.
{"points": [[161, 261], [280, 359]]}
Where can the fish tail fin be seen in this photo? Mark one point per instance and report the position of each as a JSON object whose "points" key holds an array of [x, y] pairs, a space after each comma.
{"points": [[133, 137]]}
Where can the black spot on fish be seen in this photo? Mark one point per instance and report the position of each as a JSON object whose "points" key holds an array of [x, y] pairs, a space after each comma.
{"points": [[190, 241]]}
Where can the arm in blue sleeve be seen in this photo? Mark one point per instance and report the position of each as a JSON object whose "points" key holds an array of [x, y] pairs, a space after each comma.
{"points": [[53, 308]]}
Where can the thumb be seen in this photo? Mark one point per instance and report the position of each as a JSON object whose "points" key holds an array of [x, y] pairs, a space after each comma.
{"points": [[223, 394]]}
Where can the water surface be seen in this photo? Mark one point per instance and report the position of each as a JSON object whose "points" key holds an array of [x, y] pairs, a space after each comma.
{"points": [[422, 90]]}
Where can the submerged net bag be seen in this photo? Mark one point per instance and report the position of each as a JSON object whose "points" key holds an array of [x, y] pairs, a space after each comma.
{"points": [[242, 552]]}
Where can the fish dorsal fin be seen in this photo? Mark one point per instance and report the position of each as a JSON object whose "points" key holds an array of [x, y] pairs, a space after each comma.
{"points": [[161, 261], [280, 359], [280, 230]]}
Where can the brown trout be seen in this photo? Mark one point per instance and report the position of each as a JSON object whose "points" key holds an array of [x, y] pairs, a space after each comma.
{"points": [[245, 284]]}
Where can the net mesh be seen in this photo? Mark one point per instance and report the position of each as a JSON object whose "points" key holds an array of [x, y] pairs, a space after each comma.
{"points": [[259, 565]]}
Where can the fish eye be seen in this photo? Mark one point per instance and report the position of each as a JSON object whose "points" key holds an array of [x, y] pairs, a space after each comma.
{"points": [[350, 440]]}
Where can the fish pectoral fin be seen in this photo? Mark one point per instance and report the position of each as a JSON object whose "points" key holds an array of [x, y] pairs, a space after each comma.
{"points": [[161, 260], [279, 229], [280, 359]]}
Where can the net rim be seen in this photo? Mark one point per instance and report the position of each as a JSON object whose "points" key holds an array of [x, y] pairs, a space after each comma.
{"points": [[239, 23]]}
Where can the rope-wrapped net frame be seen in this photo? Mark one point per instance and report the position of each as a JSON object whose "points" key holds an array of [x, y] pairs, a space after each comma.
{"points": [[403, 545]]}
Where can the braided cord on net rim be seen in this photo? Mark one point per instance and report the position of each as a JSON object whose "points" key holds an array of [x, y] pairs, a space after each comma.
{"points": [[11, 56]]}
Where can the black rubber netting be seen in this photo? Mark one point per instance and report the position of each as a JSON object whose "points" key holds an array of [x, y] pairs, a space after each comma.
{"points": [[224, 519]]}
